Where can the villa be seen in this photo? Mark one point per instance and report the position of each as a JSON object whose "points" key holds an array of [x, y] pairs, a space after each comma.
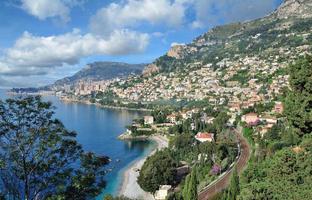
{"points": [[204, 137], [251, 119]]}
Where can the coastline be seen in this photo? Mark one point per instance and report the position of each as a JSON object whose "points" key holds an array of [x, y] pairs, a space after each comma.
{"points": [[71, 100], [129, 187]]}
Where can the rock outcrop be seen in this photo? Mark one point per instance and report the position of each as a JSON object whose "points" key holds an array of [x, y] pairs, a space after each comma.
{"points": [[150, 70], [176, 51], [294, 8]]}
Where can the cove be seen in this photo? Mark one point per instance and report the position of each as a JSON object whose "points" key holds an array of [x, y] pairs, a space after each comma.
{"points": [[97, 130]]}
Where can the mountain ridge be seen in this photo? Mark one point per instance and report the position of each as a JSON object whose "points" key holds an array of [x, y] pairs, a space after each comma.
{"points": [[294, 8], [284, 17], [105, 70]]}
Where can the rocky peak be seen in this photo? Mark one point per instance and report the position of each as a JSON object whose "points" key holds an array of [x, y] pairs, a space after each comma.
{"points": [[176, 51], [294, 8], [150, 70]]}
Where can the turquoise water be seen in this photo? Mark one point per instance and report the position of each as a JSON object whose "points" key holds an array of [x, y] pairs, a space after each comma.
{"points": [[97, 130]]}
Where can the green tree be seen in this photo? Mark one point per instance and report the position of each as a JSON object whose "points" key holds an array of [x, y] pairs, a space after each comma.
{"points": [[220, 121], [183, 141], [158, 169], [298, 103], [193, 185], [40, 159], [286, 175], [185, 192], [274, 133], [190, 187], [234, 189]]}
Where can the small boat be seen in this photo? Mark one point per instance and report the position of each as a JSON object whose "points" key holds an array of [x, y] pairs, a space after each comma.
{"points": [[110, 169]]}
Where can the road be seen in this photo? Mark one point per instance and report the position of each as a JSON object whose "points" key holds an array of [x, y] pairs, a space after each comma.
{"points": [[224, 181]]}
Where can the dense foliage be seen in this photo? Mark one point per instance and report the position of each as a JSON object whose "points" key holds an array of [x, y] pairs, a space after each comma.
{"points": [[110, 197], [40, 159], [281, 165], [158, 169], [287, 175], [299, 100], [190, 187]]}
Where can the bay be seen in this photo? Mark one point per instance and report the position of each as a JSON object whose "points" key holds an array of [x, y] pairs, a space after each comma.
{"points": [[97, 130]]}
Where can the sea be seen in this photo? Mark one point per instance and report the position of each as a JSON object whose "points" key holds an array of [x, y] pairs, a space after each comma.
{"points": [[97, 131]]}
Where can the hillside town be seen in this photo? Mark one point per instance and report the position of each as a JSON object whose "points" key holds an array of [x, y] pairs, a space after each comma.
{"points": [[156, 100]]}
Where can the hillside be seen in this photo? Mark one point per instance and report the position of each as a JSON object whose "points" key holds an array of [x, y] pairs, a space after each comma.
{"points": [[228, 57], [241, 62], [287, 27], [102, 71]]}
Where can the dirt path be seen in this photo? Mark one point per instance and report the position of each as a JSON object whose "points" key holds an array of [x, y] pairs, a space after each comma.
{"points": [[223, 182]]}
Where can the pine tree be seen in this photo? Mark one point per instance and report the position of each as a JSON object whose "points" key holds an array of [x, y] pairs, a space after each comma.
{"points": [[190, 188], [40, 158], [234, 186], [186, 187], [298, 107], [193, 185]]}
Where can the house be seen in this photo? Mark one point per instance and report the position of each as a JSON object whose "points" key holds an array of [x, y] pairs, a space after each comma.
{"points": [[207, 119], [269, 120], [235, 107], [184, 115], [279, 108], [148, 120], [204, 137], [251, 119], [163, 192], [263, 130], [172, 118], [128, 131]]}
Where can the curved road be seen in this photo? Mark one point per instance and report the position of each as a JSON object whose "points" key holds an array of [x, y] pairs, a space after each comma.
{"points": [[222, 183]]}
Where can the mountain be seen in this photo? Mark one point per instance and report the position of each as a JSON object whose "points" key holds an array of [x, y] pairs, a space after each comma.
{"points": [[102, 71], [229, 62], [294, 8], [259, 37]]}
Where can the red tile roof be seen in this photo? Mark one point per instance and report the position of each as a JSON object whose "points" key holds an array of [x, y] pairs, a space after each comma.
{"points": [[204, 135]]}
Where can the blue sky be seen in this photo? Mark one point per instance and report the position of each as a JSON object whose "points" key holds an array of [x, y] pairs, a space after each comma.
{"points": [[43, 40]]}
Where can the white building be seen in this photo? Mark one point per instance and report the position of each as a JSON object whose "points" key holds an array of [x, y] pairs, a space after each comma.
{"points": [[163, 192], [148, 120]]}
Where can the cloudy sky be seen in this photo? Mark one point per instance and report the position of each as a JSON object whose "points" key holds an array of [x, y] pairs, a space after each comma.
{"points": [[44, 40]]}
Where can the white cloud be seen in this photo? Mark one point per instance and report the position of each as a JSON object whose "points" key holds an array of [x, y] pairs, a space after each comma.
{"points": [[33, 55], [133, 12], [43, 9], [210, 12]]}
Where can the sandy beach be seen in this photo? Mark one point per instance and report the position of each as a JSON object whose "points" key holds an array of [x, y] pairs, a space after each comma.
{"points": [[130, 188]]}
